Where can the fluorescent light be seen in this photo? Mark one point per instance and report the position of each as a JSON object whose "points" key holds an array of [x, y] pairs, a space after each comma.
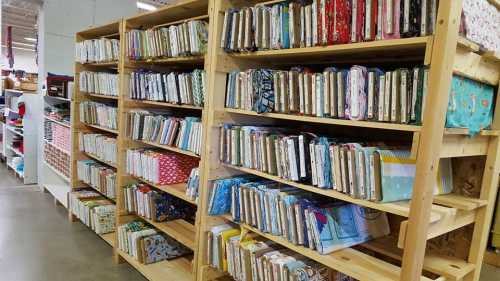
{"points": [[19, 48], [145, 6], [30, 39], [23, 44]]}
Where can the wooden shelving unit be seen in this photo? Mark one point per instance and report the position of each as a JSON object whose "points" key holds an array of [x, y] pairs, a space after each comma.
{"points": [[402, 256], [77, 126], [181, 230]]}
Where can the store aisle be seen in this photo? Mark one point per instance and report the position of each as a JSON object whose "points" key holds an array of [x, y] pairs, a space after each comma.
{"points": [[38, 243]]}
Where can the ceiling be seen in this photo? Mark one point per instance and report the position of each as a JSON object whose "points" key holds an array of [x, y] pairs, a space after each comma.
{"points": [[22, 16]]}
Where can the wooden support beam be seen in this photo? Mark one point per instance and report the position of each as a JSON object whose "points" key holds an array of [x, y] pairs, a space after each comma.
{"points": [[489, 189], [431, 138]]}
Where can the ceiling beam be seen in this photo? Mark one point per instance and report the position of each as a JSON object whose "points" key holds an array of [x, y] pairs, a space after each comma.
{"points": [[36, 2], [19, 10]]}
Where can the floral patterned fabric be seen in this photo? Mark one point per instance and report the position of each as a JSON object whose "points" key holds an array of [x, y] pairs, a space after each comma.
{"points": [[160, 247], [343, 16], [470, 105], [480, 21]]}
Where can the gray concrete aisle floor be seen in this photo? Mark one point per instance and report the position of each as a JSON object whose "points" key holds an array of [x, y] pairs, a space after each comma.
{"points": [[38, 243]]}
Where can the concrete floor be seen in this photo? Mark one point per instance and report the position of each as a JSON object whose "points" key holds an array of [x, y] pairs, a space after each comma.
{"points": [[38, 243]]}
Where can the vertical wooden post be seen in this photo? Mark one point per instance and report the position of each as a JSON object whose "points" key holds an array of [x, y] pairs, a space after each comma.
{"points": [[208, 153], [441, 70], [121, 146], [489, 189]]}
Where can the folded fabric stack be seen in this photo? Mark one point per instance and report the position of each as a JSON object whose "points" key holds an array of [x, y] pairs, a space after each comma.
{"points": [[186, 39], [146, 245], [93, 210], [248, 259], [155, 205], [356, 93], [171, 87], [161, 168], [296, 215]]}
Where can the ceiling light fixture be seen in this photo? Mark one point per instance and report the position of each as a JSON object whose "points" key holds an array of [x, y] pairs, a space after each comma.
{"points": [[23, 44], [30, 39], [20, 48], [145, 6]]}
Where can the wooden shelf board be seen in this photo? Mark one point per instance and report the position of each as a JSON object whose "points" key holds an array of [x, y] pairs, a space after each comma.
{"points": [[58, 122], [100, 96], [459, 202], [163, 104], [349, 261], [450, 267], [177, 190], [401, 208], [100, 160], [177, 269], [102, 128], [372, 47], [468, 44], [169, 148], [202, 17], [180, 230], [330, 121], [100, 31], [108, 63], [64, 177], [174, 60], [476, 48], [109, 238], [465, 131], [169, 13]]}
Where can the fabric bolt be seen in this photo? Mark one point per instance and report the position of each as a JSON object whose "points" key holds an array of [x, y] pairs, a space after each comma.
{"points": [[356, 93], [343, 21], [220, 197], [198, 87], [284, 27], [161, 247], [414, 14], [390, 19], [377, 74], [167, 207], [174, 168], [480, 23], [397, 172], [330, 16], [341, 226], [263, 89], [470, 105], [358, 20]]}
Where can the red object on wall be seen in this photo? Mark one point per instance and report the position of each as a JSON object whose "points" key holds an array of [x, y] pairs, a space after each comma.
{"points": [[10, 54]]}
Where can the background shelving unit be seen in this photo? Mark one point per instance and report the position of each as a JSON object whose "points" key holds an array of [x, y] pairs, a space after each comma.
{"points": [[111, 30], [28, 132], [55, 170], [183, 268], [418, 223]]}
